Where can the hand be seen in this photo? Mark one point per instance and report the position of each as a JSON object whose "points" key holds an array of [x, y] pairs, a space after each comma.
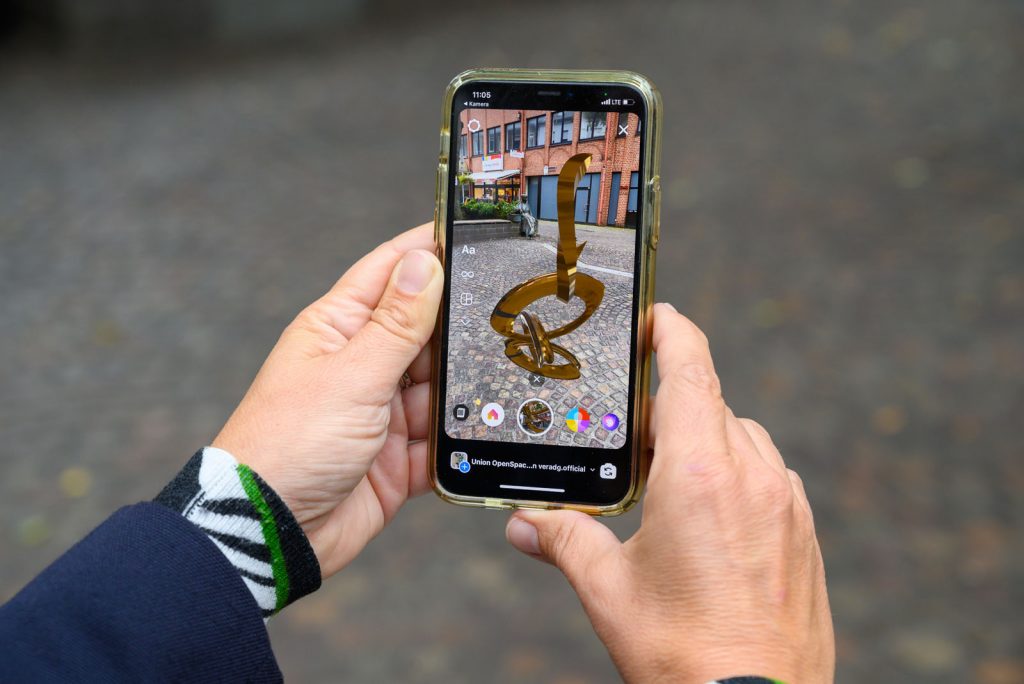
{"points": [[325, 423], [724, 577]]}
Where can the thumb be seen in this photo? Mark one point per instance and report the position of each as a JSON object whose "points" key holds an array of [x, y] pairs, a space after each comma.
{"points": [[400, 326], [572, 541]]}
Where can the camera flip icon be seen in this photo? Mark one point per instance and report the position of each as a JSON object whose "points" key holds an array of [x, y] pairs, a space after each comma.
{"points": [[608, 471]]}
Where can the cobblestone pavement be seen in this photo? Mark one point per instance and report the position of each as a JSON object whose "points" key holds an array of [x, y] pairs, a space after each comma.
{"points": [[843, 215], [480, 373]]}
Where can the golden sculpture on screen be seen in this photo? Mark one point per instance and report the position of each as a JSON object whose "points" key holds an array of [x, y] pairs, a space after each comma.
{"points": [[532, 347]]}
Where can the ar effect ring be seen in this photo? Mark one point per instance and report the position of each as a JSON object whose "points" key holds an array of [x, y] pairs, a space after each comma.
{"points": [[534, 338], [565, 283]]}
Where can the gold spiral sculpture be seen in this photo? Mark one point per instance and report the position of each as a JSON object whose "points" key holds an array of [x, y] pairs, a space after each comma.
{"points": [[532, 348]]}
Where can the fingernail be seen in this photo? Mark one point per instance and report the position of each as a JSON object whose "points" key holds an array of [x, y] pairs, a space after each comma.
{"points": [[670, 307], [415, 271], [523, 536]]}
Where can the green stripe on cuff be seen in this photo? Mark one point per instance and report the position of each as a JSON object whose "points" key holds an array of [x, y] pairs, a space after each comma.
{"points": [[252, 490]]}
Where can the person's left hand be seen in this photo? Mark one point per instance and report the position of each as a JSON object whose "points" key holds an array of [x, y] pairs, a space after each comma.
{"points": [[325, 423]]}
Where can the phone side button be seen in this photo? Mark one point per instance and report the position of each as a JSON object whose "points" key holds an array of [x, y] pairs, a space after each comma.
{"points": [[439, 188], [655, 189], [442, 178]]}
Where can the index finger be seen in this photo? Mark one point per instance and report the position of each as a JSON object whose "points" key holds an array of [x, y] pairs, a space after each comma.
{"points": [[690, 412]]}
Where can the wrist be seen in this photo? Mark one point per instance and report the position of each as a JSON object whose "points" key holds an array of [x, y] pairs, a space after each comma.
{"points": [[249, 523], [307, 517], [702, 663]]}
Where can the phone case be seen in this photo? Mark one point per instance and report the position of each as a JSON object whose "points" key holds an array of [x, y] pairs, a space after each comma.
{"points": [[651, 215]]}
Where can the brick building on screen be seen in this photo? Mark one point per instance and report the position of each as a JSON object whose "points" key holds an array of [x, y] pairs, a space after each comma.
{"points": [[504, 154]]}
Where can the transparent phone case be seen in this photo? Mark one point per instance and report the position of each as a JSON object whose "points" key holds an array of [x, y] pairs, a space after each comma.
{"points": [[649, 225]]}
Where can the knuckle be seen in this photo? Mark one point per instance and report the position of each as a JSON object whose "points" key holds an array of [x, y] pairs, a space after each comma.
{"points": [[777, 494], [398, 321], [795, 478], [800, 492], [695, 377], [311, 317], [756, 427], [560, 544], [565, 547], [318, 321], [701, 336]]}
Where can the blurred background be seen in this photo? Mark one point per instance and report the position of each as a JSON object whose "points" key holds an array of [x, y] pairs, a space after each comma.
{"points": [[843, 214]]}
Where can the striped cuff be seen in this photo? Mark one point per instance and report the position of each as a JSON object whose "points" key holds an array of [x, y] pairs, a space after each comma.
{"points": [[249, 523]]}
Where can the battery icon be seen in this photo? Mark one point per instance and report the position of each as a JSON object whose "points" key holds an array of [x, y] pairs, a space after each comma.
{"points": [[627, 102]]}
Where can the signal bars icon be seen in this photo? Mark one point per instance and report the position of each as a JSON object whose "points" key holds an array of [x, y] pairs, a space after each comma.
{"points": [[607, 102]]}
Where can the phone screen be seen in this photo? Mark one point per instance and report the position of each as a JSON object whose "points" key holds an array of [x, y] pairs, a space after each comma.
{"points": [[537, 358]]}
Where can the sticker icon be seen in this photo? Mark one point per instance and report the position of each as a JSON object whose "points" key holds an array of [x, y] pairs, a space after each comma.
{"points": [[608, 471], [492, 414], [610, 422], [577, 419], [460, 461]]}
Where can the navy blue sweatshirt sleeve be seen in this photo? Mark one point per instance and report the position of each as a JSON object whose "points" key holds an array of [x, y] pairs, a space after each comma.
{"points": [[147, 596]]}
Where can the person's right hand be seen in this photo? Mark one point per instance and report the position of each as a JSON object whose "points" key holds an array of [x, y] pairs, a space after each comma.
{"points": [[724, 577]]}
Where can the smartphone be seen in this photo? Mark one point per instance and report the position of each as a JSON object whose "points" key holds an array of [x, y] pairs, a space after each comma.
{"points": [[548, 201]]}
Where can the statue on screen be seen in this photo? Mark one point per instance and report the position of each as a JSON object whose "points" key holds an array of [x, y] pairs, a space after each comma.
{"points": [[532, 346]]}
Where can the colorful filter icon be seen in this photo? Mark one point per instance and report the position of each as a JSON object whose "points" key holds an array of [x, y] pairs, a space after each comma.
{"points": [[577, 419], [610, 422]]}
